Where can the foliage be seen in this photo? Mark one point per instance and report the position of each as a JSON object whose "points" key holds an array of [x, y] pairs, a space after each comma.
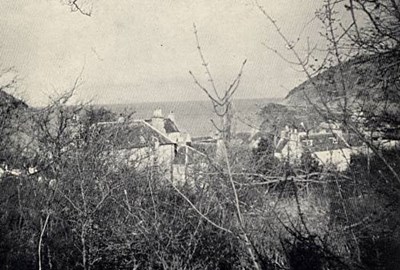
{"points": [[263, 156], [103, 216], [372, 205]]}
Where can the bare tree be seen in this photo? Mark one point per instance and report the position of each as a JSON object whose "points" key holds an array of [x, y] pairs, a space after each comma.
{"points": [[221, 100], [358, 76]]}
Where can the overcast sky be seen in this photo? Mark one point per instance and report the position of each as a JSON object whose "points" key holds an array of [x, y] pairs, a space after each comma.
{"points": [[135, 50]]}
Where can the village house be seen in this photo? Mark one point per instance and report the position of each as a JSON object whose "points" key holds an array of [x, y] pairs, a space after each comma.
{"points": [[137, 144], [151, 143], [326, 144]]}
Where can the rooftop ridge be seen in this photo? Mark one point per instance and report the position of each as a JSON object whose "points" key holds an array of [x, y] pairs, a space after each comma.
{"points": [[156, 130]]}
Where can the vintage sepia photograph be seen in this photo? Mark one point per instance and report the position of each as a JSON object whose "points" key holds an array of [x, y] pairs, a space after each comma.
{"points": [[207, 134]]}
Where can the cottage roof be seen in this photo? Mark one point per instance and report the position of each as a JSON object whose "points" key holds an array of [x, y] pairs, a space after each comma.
{"points": [[316, 142], [136, 134], [329, 126], [323, 142], [169, 125]]}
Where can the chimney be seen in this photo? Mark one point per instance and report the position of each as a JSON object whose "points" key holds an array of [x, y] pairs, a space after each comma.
{"points": [[157, 121], [157, 113], [121, 119], [171, 116], [284, 134]]}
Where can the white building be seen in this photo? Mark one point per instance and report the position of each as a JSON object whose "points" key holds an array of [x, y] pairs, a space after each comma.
{"points": [[327, 146], [143, 144]]}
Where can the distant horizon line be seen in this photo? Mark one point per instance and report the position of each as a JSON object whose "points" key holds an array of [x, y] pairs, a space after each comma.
{"points": [[149, 102], [182, 101]]}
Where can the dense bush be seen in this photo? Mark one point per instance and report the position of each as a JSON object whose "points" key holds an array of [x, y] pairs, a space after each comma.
{"points": [[85, 212]]}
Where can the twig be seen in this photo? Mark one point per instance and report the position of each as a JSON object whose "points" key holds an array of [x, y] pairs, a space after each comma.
{"points": [[197, 210], [204, 62], [74, 4]]}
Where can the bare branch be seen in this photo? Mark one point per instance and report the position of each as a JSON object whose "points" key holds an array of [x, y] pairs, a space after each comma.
{"points": [[204, 63], [205, 90], [235, 84], [197, 210], [75, 6]]}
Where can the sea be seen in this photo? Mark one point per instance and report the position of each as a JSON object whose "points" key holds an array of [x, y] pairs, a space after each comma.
{"points": [[195, 117]]}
